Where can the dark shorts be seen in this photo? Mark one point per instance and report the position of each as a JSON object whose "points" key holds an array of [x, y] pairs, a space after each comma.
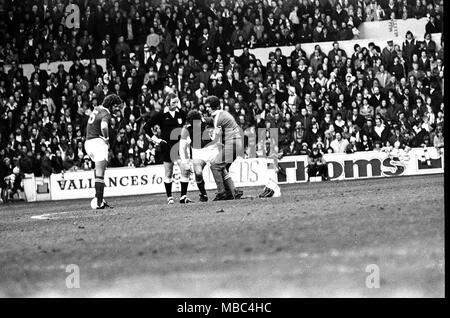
{"points": [[229, 152], [170, 152]]}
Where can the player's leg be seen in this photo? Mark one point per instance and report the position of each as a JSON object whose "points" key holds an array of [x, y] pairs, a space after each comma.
{"points": [[229, 184], [216, 166], [217, 172], [232, 191], [185, 171], [97, 150], [225, 185], [199, 165], [220, 174], [219, 168], [168, 160], [168, 173], [231, 151], [99, 174]]}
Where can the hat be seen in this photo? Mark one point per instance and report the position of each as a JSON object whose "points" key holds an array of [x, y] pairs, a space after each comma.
{"points": [[390, 42], [146, 47], [143, 86]]}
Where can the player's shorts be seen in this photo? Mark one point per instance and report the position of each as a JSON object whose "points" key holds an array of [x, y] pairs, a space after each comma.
{"points": [[229, 152], [206, 154], [96, 149]]}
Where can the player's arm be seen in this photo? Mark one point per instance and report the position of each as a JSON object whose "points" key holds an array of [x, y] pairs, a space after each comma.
{"points": [[208, 120], [184, 144], [215, 137], [154, 119], [104, 127], [216, 124]]}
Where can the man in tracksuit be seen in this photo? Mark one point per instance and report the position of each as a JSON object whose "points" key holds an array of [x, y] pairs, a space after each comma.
{"points": [[232, 147]]}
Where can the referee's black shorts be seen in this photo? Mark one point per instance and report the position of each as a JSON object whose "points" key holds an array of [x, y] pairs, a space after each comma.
{"points": [[170, 151]]}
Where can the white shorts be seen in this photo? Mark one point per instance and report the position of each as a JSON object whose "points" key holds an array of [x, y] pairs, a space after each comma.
{"points": [[97, 149], [206, 154]]}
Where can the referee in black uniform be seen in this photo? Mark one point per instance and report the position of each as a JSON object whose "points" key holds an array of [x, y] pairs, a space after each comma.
{"points": [[170, 120]]}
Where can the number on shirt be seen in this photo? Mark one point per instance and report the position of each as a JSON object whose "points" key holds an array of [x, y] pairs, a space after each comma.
{"points": [[92, 116]]}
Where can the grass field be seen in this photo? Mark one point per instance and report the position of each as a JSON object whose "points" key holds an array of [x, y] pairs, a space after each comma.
{"points": [[314, 241]]}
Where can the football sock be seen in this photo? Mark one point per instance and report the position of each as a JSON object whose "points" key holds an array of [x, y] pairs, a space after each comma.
{"points": [[184, 187], [168, 186], [230, 184], [99, 188], [218, 177], [201, 187]]}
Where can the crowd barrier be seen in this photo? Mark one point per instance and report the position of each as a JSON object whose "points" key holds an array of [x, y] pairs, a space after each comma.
{"points": [[245, 173], [262, 54]]}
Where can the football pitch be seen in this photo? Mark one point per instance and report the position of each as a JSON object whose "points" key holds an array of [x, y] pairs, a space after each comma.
{"points": [[323, 239]]}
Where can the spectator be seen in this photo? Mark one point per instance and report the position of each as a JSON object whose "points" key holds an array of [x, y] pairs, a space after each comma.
{"points": [[312, 100], [432, 26], [438, 140], [339, 145], [153, 39], [317, 165], [46, 165]]}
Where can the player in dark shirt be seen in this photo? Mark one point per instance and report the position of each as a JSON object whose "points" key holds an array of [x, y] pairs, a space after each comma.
{"points": [[97, 143], [170, 121], [225, 125]]}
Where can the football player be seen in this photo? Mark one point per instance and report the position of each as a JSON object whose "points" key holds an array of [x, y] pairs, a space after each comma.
{"points": [[97, 144], [232, 146], [196, 148]]}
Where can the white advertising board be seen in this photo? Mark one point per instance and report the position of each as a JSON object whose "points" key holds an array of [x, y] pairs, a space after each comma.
{"points": [[359, 165], [148, 180], [245, 173]]}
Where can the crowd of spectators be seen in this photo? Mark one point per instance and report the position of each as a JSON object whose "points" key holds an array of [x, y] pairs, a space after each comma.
{"points": [[373, 98]]}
